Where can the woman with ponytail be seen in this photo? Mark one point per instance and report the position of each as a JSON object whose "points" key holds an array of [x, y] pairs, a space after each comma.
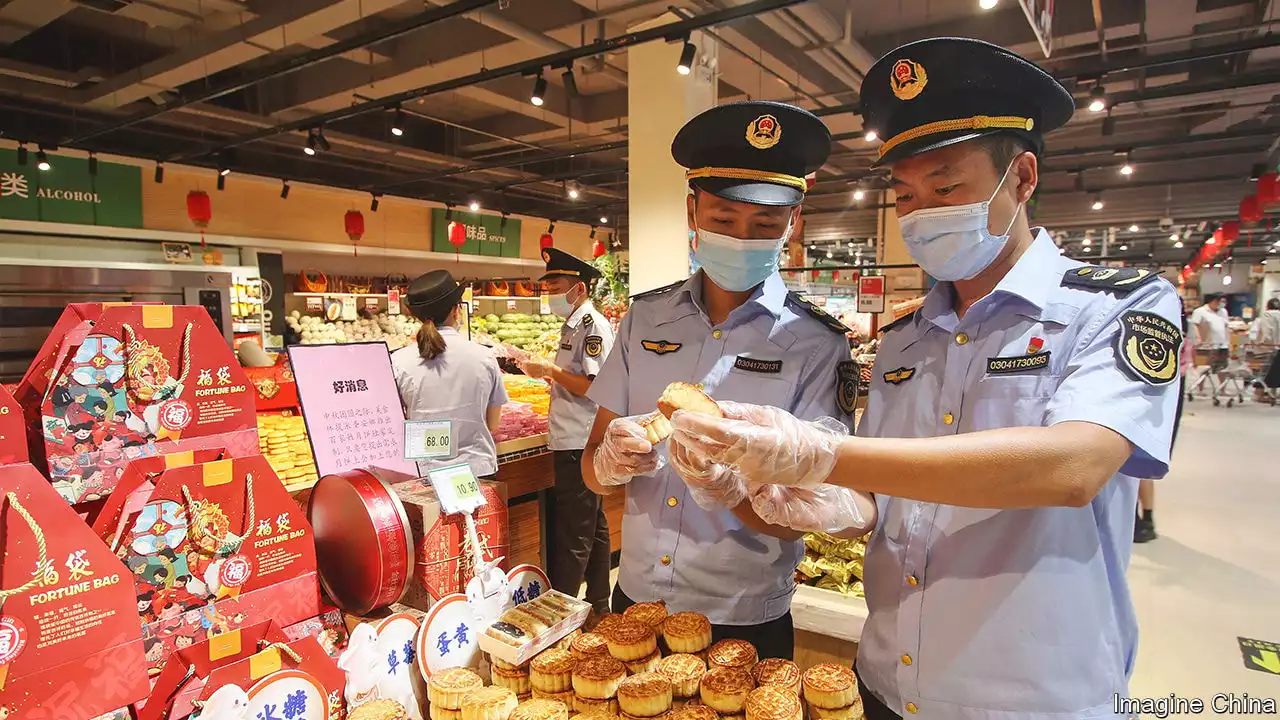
{"points": [[446, 377]]}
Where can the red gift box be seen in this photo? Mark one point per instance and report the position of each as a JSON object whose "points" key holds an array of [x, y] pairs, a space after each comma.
{"points": [[443, 554], [213, 547], [266, 668], [116, 382], [70, 642]]}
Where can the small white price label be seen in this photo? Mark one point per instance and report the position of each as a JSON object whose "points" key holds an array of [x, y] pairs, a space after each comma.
{"points": [[456, 488], [349, 308], [426, 439]]}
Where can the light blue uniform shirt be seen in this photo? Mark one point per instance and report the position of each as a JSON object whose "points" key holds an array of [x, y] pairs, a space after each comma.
{"points": [[1003, 614], [769, 351], [459, 385], [585, 341]]}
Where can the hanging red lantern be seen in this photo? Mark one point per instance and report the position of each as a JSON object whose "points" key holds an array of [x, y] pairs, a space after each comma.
{"points": [[1230, 232], [457, 235], [353, 222], [199, 211], [546, 241], [1250, 210], [597, 249], [815, 275], [1269, 189], [835, 276]]}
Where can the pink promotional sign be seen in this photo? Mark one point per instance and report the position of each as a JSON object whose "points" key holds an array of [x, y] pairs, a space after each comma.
{"points": [[351, 407]]}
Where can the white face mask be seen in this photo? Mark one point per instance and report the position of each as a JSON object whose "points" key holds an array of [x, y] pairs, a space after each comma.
{"points": [[561, 305], [955, 243], [735, 264]]}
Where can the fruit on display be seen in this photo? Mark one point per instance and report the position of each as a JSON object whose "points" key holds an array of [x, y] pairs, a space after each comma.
{"points": [[526, 413], [832, 563], [519, 329], [396, 331], [534, 393], [612, 291], [283, 440]]}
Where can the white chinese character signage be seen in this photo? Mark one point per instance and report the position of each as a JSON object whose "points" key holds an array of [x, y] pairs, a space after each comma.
{"points": [[67, 193], [489, 235]]}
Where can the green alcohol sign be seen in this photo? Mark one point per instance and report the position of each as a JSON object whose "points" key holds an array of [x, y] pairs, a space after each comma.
{"points": [[485, 234], [67, 193]]}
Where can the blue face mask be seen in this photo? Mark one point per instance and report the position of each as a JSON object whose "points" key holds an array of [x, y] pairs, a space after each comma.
{"points": [[737, 265], [955, 243]]}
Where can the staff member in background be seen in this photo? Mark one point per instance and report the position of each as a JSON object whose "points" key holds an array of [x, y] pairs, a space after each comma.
{"points": [[1212, 329], [1007, 421], [579, 536], [734, 329], [446, 377]]}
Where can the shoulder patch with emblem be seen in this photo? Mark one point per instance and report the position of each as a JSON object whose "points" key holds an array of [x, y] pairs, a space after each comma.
{"points": [[658, 291], [899, 376], [847, 385], [900, 322], [661, 347], [1149, 346], [1121, 281], [594, 345], [757, 365], [818, 314]]}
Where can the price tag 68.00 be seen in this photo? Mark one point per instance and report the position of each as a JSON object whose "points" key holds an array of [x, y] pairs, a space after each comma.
{"points": [[427, 439], [457, 488]]}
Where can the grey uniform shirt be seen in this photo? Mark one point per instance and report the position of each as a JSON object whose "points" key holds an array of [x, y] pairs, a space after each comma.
{"points": [[585, 341], [772, 350], [459, 385]]}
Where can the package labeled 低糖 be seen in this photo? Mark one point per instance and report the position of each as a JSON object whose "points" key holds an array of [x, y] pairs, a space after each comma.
{"points": [[115, 382]]}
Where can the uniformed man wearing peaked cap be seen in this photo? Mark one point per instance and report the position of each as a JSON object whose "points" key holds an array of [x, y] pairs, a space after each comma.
{"points": [[1008, 417], [578, 547], [692, 534]]}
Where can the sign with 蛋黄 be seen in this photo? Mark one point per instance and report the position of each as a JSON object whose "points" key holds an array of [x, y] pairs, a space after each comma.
{"points": [[351, 407]]}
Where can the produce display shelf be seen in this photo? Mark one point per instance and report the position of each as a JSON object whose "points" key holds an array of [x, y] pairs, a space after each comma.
{"points": [[521, 444], [535, 298], [338, 294], [829, 613]]}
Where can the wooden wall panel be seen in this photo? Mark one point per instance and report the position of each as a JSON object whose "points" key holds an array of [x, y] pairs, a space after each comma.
{"points": [[526, 538]]}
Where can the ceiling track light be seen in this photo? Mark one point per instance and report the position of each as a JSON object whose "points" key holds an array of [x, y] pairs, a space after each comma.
{"points": [[312, 147], [688, 54], [222, 181], [397, 122], [570, 82], [42, 161], [93, 164], [448, 213], [592, 236], [604, 220], [859, 194], [284, 190], [224, 164], [572, 191], [1098, 98], [871, 136], [539, 95], [502, 224], [1097, 202], [159, 172], [988, 4], [1126, 168], [474, 206], [1134, 228], [22, 153], [551, 227], [373, 203]]}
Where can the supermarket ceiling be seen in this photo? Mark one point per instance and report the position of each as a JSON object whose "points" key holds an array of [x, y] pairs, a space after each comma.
{"points": [[1191, 88]]}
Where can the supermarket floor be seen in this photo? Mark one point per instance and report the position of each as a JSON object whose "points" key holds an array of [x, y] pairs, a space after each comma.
{"points": [[1214, 573]]}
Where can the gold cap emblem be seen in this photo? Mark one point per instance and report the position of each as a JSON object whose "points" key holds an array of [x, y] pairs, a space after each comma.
{"points": [[908, 79], [764, 132]]}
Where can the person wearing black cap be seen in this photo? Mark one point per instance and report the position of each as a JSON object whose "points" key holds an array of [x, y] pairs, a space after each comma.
{"points": [[1007, 421], [446, 377], [691, 533], [578, 535]]}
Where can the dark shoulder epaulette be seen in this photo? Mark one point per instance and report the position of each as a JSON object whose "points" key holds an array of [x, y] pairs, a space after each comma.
{"points": [[818, 314], [1121, 281], [659, 291], [900, 322]]}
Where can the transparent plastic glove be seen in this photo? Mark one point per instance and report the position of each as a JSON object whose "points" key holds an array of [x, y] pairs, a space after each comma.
{"points": [[536, 367], [764, 445], [624, 452], [826, 508], [712, 486]]}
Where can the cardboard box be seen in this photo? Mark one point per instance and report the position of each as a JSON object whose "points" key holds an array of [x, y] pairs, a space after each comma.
{"points": [[114, 382], [443, 564]]}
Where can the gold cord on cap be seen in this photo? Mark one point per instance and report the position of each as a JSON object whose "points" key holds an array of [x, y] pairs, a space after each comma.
{"points": [[744, 174], [977, 122]]}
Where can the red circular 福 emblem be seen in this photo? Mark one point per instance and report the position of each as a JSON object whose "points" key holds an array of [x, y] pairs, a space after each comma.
{"points": [[235, 571], [175, 415], [13, 638]]}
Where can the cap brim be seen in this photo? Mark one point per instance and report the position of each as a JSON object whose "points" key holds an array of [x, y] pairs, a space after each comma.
{"points": [[937, 141], [754, 193]]}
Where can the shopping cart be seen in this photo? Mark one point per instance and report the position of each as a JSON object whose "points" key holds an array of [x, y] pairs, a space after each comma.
{"points": [[1223, 371], [1264, 366]]}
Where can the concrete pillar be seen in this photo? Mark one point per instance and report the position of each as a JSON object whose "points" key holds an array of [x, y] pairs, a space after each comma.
{"points": [[659, 101], [900, 284]]}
